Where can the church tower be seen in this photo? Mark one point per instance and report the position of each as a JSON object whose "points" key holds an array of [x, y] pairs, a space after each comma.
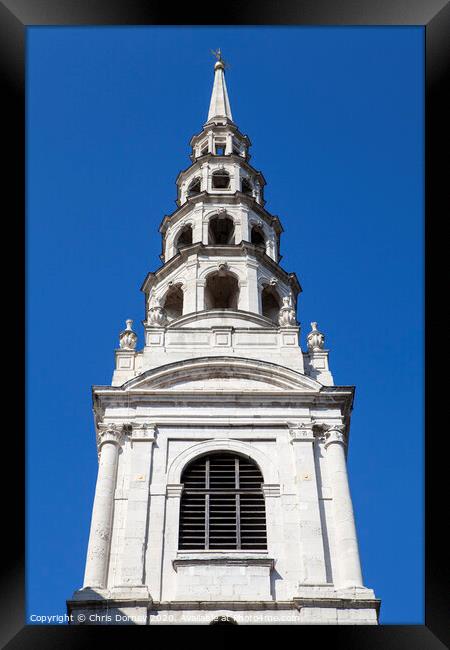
{"points": [[222, 493]]}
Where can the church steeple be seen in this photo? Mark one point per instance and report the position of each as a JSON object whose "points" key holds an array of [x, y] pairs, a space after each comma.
{"points": [[219, 107], [221, 443], [221, 246]]}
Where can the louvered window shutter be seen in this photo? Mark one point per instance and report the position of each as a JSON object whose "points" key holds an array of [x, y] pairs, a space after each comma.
{"points": [[222, 506]]}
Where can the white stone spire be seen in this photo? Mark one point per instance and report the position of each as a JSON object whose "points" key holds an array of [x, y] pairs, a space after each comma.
{"points": [[219, 106], [221, 354]]}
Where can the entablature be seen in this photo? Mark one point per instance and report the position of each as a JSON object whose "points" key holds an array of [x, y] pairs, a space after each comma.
{"points": [[228, 131], [243, 249], [200, 177], [233, 157], [236, 199], [158, 384]]}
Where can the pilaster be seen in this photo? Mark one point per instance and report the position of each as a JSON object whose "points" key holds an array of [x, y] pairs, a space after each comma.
{"points": [[142, 439], [171, 530], [311, 534]]}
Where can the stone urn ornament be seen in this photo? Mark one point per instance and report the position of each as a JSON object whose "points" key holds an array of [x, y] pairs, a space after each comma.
{"points": [[315, 339], [128, 338], [286, 316], [156, 314]]}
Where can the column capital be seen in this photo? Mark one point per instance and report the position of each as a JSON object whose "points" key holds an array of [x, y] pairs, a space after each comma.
{"points": [[301, 431], [110, 432], [145, 431], [334, 433]]}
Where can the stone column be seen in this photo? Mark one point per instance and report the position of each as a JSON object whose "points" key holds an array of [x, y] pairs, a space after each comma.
{"points": [[197, 227], [253, 291], [210, 142], [274, 516], [132, 572], [96, 572], [271, 248], [245, 227], [243, 295], [237, 231], [346, 543], [171, 530], [204, 171], [229, 144], [201, 284], [190, 292], [311, 535], [183, 193], [236, 180], [205, 227]]}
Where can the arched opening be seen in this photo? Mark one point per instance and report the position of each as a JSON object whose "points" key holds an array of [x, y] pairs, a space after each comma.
{"points": [[236, 147], [184, 238], [221, 291], [221, 230], [270, 303], [220, 148], [221, 179], [257, 237], [246, 186], [173, 302], [223, 620], [194, 187], [222, 505]]}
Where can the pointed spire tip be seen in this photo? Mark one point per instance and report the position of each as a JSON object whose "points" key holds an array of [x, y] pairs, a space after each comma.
{"points": [[219, 106]]}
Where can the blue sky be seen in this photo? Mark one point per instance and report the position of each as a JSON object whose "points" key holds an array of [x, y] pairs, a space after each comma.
{"points": [[335, 116]]}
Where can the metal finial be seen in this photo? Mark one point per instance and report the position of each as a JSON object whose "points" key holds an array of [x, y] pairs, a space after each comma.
{"points": [[218, 55]]}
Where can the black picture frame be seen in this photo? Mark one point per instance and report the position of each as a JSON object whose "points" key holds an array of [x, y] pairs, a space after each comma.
{"points": [[15, 17]]}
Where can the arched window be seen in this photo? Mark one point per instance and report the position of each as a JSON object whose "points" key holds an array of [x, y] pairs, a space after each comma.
{"points": [[221, 179], [257, 237], [184, 238], [222, 505], [270, 302], [221, 230], [221, 291], [194, 187], [173, 302], [246, 186]]}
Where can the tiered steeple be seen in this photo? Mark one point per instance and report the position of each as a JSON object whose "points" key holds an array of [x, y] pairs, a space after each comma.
{"points": [[221, 288]]}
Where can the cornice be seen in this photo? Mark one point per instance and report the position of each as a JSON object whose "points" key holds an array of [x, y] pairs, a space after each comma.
{"points": [[225, 199], [237, 250], [224, 561], [257, 319], [230, 156], [204, 397], [229, 126]]}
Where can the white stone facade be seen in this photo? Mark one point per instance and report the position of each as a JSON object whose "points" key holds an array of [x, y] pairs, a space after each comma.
{"points": [[221, 370]]}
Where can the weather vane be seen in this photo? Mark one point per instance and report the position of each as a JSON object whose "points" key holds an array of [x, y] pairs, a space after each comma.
{"points": [[218, 55]]}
